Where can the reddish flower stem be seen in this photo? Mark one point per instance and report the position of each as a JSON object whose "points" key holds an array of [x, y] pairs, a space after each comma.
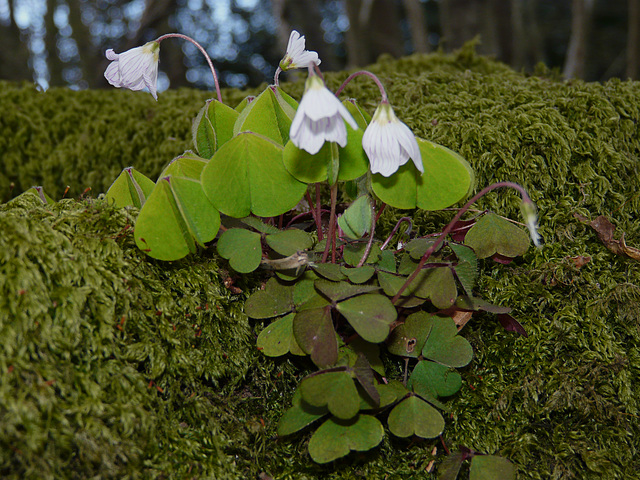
{"points": [[449, 227]]}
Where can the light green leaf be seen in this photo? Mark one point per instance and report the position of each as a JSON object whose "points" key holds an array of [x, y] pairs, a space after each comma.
{"points": [[269, 114], [246, 176], [447, 179], [212, 127], [356, 220], [130, 188], [175, 218], [187, 165], [242, 248]]}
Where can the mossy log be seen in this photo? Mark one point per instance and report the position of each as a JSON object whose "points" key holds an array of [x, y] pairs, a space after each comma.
{"points": [[113, 365]]}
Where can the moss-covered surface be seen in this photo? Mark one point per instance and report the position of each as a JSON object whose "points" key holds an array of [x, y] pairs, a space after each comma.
{"points": [[89, 326]]}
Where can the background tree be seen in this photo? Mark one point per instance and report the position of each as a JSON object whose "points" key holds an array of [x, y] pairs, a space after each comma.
{"points": [[62, 42]]}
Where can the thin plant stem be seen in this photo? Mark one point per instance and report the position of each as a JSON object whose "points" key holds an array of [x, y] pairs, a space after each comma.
{"points": [[276, 80], [383, 93], [319, 213], [395, 229], [372, 230], [331, 238], [312, 209], [202, 50], [450, 225]]}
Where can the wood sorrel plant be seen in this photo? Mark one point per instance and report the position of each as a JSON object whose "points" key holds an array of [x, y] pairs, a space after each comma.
{"points": [[338, 294]]}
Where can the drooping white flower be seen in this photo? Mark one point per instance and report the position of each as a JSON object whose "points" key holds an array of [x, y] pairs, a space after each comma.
{"points": [[320, 118], [135, 69], [531, 219], [389, 143], [296, 56]]}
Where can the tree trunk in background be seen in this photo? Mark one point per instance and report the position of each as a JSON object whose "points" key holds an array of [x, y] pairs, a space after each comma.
{"points": [[54, 64], [14, 54], [417, 25], [581, 13], [374, 29], [633, 40], [88, 58], [462, 20]]}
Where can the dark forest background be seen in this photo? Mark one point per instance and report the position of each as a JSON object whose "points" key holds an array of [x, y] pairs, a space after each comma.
{"points": [[62, 42]]}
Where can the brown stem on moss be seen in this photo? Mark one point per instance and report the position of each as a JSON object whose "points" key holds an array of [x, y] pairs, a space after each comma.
{"points": [[449, 227]]}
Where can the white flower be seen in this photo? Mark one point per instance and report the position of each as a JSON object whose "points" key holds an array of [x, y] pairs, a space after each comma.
{"points": [[135, 69], [531, 219], [320, 117], [297, 56], [389, 143]]}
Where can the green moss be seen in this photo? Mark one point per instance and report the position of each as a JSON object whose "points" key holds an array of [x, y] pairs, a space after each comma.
{"points": [[75, 400]]}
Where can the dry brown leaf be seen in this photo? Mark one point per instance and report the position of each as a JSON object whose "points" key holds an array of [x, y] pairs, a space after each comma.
{"points": [[461, 318], [605, 229]]}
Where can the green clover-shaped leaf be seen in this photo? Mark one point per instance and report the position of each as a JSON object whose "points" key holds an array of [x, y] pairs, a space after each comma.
{"points": [[242, 248], [433, 380], [408, 339], [370, 315], [277, 338], [445, 346], [335, 438], [414, 416], [130, 188], [246, 176], [336, 390], [276, 299], [494, 235], [299, 415], [316, 336], [491, 467], [212, 127]]}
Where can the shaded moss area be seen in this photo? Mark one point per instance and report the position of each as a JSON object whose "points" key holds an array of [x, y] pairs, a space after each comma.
{"points": [[78, 394]]}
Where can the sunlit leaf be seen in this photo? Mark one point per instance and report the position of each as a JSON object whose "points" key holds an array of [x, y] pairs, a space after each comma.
{"points": [[269, 114], [246, 176], [447, 179], [175, 218], [212, 127], [130, 188]]}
